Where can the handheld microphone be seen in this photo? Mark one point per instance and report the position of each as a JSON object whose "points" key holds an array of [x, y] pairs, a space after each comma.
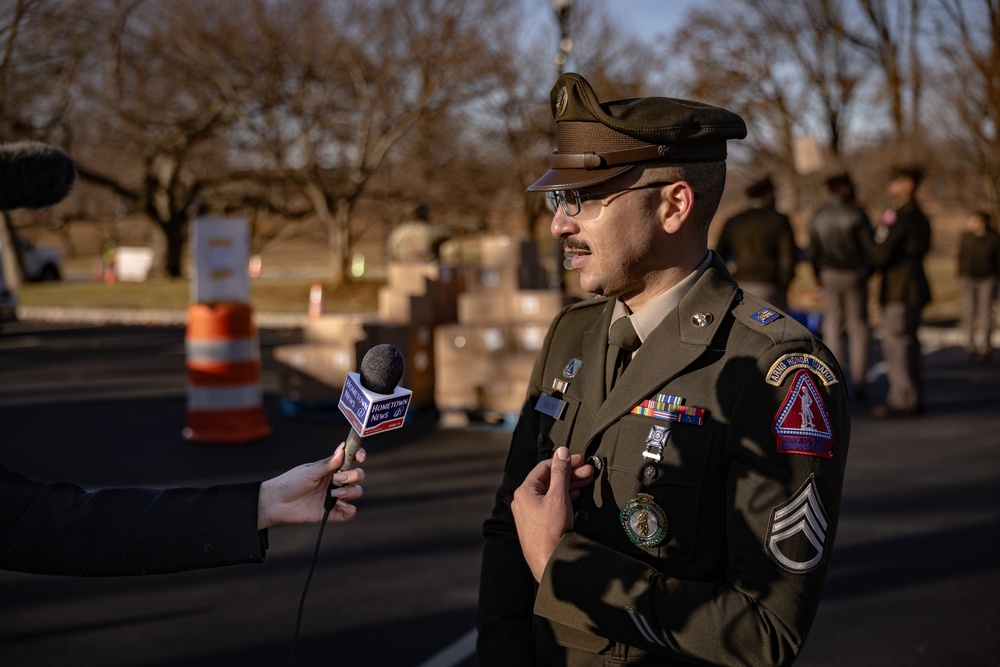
{"points": [[372, 401], [34, 175]]}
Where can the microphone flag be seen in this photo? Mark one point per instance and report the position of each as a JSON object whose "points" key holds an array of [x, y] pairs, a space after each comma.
{"points": [[369, 412]]}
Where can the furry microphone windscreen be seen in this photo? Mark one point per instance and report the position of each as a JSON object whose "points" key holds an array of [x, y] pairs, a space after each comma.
{"points": [[34, 175], [381, 369]]}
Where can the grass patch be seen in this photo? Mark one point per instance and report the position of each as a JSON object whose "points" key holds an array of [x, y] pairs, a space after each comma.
{"points": [[277, 295]]}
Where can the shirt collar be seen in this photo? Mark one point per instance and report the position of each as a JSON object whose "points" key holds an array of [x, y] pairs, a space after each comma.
{"points": [[647, 319]]}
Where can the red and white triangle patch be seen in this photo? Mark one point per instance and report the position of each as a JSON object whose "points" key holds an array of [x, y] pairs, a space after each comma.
{"points": [[802, 424]]}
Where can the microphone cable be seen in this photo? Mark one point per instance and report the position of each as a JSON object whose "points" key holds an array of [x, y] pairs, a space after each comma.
{"points": [[312, 568]]}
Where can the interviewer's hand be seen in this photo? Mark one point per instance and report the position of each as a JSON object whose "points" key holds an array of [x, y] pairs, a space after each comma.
{"points": [[542, 505], [297, 496]]}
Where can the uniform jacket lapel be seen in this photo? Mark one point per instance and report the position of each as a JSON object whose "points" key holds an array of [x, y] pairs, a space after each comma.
{"points": [[595, 342], [673, 346]]}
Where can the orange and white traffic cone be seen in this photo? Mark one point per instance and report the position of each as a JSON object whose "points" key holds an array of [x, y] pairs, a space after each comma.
{"points": [[223, 362]]}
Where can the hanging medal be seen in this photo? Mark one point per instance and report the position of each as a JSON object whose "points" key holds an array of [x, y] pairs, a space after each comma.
{"points": [[644, 522]]}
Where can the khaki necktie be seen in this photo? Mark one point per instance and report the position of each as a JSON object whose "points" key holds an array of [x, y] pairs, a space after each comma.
{"points": [[622, 342]]}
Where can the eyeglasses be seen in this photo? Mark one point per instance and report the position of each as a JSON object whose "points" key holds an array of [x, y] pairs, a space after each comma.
{"points": [[572, 202]]}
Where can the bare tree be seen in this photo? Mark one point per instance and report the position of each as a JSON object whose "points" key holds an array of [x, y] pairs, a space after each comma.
{"points": [[148, 120], [888, 35], [733, 60], [40, 54], [966, 91]]}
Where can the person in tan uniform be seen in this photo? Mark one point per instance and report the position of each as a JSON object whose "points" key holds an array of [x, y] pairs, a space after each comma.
{"points": [[673, 484]]}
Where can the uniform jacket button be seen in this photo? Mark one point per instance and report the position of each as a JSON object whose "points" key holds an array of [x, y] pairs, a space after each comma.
{"points": [[596, 462], [650, 471], [581, 517]]}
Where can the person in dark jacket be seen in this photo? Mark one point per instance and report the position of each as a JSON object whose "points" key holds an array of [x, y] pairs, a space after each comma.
{"points": [[840, 244], [978, 271], [759, 246], [62, 529], [673, 484], [902, 241]]}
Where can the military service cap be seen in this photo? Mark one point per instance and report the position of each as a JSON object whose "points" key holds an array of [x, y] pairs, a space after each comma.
{"points": [[597, 141]]}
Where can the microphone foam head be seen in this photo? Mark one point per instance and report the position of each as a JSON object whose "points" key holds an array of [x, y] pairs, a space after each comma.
{"points": [[34, 175], [381, 369]]}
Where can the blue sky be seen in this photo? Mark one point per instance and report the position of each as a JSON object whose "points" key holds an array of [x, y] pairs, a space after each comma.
{"points": [[648, 18]]}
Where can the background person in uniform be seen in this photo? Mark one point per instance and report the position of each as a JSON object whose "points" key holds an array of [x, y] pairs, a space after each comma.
{"points": [[978, 271], [840, 241], [416, 240], [902, 240], [668, 519], [58, 528], [759, 245]]}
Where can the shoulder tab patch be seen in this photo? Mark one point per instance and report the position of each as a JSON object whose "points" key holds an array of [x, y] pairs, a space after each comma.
{"points": [[790, 362], [802, 424], [796, 534], [766, 315]]}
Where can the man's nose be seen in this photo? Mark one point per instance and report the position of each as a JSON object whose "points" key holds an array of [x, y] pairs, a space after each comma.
{"points": [[563, 225]]}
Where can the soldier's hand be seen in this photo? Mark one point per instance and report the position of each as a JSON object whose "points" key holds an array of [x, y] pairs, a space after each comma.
{"points": [[542, 506]]}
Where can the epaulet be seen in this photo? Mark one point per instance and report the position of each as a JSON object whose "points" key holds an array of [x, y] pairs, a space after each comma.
{"points": [[766, 320]]}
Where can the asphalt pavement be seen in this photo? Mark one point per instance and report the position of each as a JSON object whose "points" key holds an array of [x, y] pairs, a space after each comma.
{"points": [[914, 577]]}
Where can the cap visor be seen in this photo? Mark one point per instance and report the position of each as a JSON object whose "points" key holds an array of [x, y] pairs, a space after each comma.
{"points": [[571, 179]]}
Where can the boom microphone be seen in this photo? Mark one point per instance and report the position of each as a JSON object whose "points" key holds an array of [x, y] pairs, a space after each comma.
{"points": [[34, 175], [372, 401]]}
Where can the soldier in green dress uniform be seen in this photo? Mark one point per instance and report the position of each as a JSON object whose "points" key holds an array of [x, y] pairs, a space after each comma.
{"points": [[673, 484]]}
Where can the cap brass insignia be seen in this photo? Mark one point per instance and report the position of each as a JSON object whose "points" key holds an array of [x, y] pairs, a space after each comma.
{"points": [[562, 101]]}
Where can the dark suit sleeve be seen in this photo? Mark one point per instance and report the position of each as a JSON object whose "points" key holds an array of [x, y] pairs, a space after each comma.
{"points": [[56, 528]]}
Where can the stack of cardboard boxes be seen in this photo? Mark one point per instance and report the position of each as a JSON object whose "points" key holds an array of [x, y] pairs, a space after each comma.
{"points": [[484, 360], [468, 332]]}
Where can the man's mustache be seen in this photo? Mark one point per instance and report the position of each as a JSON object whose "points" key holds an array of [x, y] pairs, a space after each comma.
{"points": [[571, 243]]}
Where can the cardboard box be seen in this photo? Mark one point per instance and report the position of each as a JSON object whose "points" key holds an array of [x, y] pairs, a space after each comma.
{"points": [[528, 337], [416, 344], [337, 328], [499, 251], [504, 396], [482, 307], [401, 308], [504, 278], [411, 277], [314, 374], [533, 305], [294, 385]]}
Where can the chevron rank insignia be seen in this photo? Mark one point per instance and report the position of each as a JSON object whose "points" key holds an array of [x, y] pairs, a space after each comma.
{"points": [[797, 532]]}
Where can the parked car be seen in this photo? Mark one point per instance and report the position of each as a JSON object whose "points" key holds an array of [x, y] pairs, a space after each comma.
{"points": [[40, 262]]}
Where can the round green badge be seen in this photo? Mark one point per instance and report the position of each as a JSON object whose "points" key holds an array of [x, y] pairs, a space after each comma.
{"points": [[644, 522]]}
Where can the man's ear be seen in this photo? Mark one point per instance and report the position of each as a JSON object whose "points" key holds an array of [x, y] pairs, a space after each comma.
{"points": [[676, 206]]}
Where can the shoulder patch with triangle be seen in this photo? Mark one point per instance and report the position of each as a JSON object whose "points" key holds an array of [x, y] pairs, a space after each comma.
{"points": [[802, 424]]}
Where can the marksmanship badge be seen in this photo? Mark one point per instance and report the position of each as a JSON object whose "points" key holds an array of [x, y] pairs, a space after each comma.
{"points": [[644, 522]]}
